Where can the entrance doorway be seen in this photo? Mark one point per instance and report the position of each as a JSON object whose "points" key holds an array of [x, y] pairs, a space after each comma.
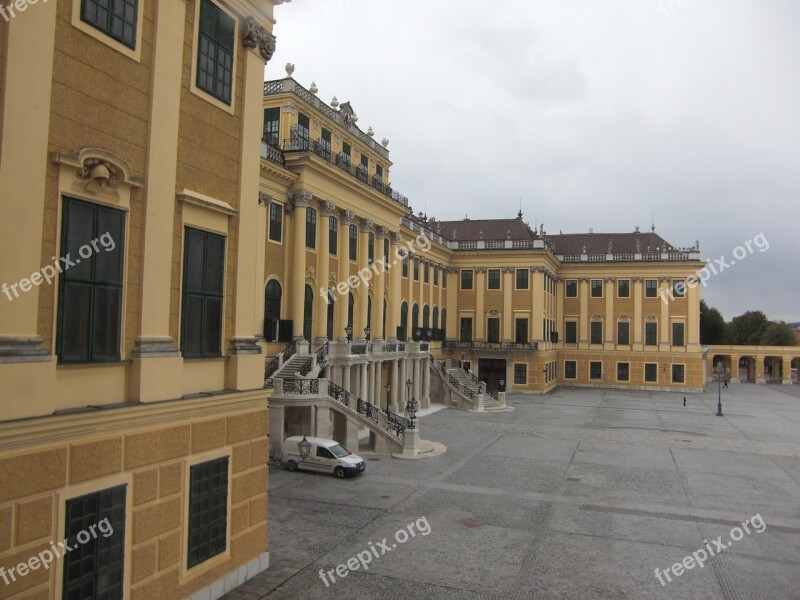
{"points": [[492, 370]]}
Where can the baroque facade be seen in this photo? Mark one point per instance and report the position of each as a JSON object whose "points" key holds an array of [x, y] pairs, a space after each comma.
{"points": [[133, 424], [521, 309]]}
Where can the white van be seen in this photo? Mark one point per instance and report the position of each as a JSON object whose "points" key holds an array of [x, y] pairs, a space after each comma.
{"points": [[325, 456]]}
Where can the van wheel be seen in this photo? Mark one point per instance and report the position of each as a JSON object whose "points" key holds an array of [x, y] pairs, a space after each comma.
{"points": [[291, 466], [339, 472]]}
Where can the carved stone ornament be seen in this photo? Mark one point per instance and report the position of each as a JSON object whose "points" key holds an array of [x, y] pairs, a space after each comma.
{"points": [[311, 273], [508, 269], [92, 166], [348, 216], [264, 199], [396, 237], [382, 232], [328, 208], [480, 269], [255, 36], [302, 197], [366, 225]]}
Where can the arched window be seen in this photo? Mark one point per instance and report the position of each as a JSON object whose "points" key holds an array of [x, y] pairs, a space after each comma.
{"points": [[426, 317], [272, 309], [369, 316], [414, 321], [331, 300], [444, 323], [383, 325], [308, 312], [435, 317], [350, 304], [311, 228], [403, 333]]}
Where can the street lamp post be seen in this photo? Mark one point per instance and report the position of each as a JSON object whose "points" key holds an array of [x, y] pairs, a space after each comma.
{"points": [[349, 332], [388, 388], [305, 447], [367, 331], [720, 371], [411, 405], [502, 385]]}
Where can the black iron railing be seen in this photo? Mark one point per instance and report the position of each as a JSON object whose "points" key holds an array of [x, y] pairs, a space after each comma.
{"points": [[343, 161], [305, 369], [301, 387], [322, 354], [358, 349], [503, 346], [390, 347], [339, 394], [275, 363], [397, 425]]}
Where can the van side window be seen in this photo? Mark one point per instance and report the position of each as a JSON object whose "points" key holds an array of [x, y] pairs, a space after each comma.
{"points": [[323, 452]]}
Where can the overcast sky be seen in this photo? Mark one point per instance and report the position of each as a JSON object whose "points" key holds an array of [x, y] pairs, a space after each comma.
{"points": [[593, 114]]}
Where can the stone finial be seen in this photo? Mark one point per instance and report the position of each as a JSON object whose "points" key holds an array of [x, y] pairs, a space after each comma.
{"points": [[289, 69], [313, 88]]}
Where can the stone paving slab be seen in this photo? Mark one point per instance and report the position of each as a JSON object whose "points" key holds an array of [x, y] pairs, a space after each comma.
{"points": [[577, 494]]}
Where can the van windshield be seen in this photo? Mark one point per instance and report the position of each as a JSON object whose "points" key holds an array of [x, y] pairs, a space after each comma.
{"points": [[339, 451]]}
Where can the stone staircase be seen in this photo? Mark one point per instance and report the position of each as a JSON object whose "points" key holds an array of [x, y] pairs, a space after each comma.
{"points": [[295, 362], [470, 391]]}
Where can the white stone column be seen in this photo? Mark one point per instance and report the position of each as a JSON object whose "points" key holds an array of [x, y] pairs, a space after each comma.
{"points": [[346, 378], [362, 382], [417, 388]]}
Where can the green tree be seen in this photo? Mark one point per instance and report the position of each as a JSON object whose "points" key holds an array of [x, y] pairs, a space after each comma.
{"points": [[748, 328], [777, 334], [713, 329]]}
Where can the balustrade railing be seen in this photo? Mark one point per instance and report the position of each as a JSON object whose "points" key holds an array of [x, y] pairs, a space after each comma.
{"points": [[322, 353], [358, 349], [301, 387], [506, 346], [275, 363], [397, 425], [339, 394]]}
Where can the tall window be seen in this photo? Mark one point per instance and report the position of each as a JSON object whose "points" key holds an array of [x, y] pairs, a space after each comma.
{"points": [[94, 569], [308, 312], [215, 51], [325, 144], [651, 334], [426, 273], [678, 288], [378, 179], [493, 279], [435, 324], [677, 334], [370, 248], [208, 510], [444, 277], [345, 159], [203, 277], [522, 278], [651, 288], [90, 291], [444, 323], [597, 288], [521, 331], [405, 265], [115, 18], [623, 371], [330, 315], [595, 370], [414, 320], [275, 222], [333, 236], [493, 330], [651, 372], [426, 317], [466, 329], [571, 332], [353, 250], [350, 306], [435, 276], [303, 131], [678, 373], [571, 288], [570, 369], [623, 333], [623, 288], [272, 310], [596, 332], [416, 269], [311, 228], [386, 250], [402, 335], [466, 279], [363, 168], [520, 373], [272, 121]]}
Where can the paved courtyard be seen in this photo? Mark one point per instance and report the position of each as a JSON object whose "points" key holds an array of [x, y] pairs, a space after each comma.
{"points": [[576, 494]]}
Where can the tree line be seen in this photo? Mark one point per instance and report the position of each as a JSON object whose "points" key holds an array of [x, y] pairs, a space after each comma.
{"points": [[752, 328]]}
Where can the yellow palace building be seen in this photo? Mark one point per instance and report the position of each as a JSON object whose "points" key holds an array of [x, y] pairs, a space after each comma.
{"points": [[133, 418], [363, 297]]}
